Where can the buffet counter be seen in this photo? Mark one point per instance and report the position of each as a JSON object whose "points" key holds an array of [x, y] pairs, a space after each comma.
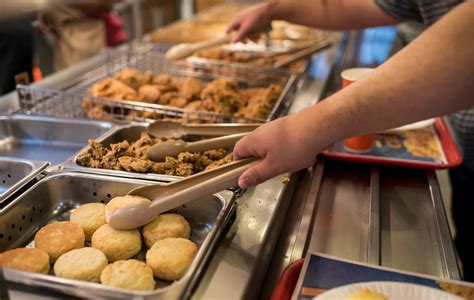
{"points": [[386, 216]]}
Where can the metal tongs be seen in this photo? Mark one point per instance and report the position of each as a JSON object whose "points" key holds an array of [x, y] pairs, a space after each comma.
{"points": [[160, 151], [175, 130], [172, 195], [303, 53], [184, 50]]}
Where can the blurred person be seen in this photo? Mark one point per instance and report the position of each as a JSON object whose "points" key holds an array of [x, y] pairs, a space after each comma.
{"points": [[80, 31], [430, 77]]}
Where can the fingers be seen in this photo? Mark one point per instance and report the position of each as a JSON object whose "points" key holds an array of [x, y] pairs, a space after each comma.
{"points": [[258, 174], [243, 149], [233, 25], [241, 34]]}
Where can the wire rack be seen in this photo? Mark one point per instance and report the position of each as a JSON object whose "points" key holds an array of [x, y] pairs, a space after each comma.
{"points": [[75, 101]]}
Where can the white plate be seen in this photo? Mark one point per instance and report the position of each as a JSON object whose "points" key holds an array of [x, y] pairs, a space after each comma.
{"points": [[413, 126], [392, 290]]}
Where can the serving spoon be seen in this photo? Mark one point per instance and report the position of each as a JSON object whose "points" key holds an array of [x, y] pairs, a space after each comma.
{"points": [[161, 150], [174, 130], [175, 194]]}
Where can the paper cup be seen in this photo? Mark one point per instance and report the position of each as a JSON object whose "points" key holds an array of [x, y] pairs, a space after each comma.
{"points": [[364, 143], [351, 75]]}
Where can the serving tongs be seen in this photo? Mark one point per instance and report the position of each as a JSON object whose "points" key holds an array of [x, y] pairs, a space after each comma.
{"points": [[303, 53], [175, 194], [160, 151], [174, 130], [184, 50]]}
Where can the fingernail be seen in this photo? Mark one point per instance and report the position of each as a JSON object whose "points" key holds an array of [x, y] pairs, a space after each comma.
{"points": [[244, 182]]}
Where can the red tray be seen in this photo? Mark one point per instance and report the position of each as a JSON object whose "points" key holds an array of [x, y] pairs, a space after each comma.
{"points": [[449, 147], [288, 280]]}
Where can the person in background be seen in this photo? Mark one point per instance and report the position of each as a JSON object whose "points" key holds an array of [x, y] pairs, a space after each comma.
{"points": [[80, 31], [432, 76], [16, 52]]}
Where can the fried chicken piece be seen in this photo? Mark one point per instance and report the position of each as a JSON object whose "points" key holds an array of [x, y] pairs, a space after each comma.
{"points": [[92, 157], [225, 160], [201, 163], [134, 78], [165, 98], [212, 53], [163, 79], [195, 105], [96, 150], [188, 157], [260, 101], [178, 102], [149, 93], [190, 89], [140, 147], [98, 113], [120, 149], [215, 154], [159, 168], [184, 169], [132, 164], [114, 89], [222, 96], [84, 159]]}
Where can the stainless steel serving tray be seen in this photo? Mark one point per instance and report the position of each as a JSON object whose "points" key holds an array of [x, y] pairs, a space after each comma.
{"points": [[56, 195], [68, 103], [15, 173], [46, 138], [129, 133]]}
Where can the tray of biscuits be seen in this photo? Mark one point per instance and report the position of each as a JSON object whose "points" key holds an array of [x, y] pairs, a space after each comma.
{"points": [[56, 236]]}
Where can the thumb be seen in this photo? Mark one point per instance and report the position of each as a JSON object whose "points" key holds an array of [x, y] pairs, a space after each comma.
{"points": [[257, 174]]}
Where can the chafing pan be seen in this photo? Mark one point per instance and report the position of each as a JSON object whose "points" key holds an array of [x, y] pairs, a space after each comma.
{"points": [[129, 133], [53, 197], [16, 173], [45, 138]]}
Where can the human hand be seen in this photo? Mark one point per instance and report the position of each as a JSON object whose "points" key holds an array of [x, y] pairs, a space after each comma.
{"points": [[283, 145], [250, 22]]}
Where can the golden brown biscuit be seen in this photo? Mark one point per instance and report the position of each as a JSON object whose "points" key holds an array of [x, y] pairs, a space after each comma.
{"points": [[128, 274], [82, 264], [120, 202], [117, 244], [166, 226], [26, 259], [170, 258], [59, 238], [90, 217]]}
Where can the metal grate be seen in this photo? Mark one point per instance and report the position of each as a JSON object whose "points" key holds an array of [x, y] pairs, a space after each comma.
{"points": [[72, 101]]}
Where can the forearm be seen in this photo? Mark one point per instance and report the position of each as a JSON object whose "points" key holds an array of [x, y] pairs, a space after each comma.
{"points": [[330, 14], [432, 76]]}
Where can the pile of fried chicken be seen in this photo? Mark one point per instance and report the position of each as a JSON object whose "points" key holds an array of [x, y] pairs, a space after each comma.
{"points": [[131, 157], [220, 96]]}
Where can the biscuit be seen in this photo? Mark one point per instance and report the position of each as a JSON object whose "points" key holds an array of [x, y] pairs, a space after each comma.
{"points": [[128, 274], [81, 264], [117, 244], [26, 259], [120, 202], [89, 216], [170, 258], [166, 226], [59, 238]]}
